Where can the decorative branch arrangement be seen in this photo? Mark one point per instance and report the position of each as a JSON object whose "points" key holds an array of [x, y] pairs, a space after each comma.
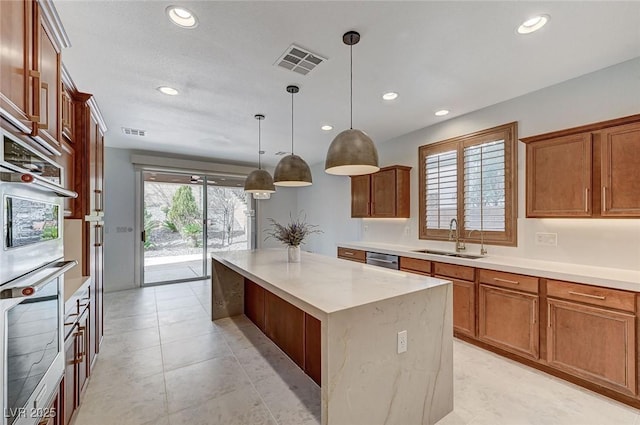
{"points": [[293, 233]]}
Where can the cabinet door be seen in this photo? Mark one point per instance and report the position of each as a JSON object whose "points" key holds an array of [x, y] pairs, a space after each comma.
{"points": [[360, 196], [97, 331], [621, 171], [15, 63], [99, 170], [559, 177], [383, 194], [254, 303], [464, 307], [47, 94], [68, 115], [70, 378], [284, 325], [509, 320], [312, 350], [593, 343]]}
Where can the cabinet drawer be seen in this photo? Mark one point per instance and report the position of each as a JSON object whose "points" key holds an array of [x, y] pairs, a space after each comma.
{"points": [[352, 254], [595, 295], [415, 265], [509, 280], [452, 270]]}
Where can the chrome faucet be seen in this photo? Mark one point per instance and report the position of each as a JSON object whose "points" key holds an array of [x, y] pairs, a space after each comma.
{"points": [[459, 244], [483, 250]]}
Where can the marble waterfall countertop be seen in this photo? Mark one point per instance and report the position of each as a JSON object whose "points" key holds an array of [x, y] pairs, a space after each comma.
{"points": [[590, 275], [366, 378], [325, 284]]}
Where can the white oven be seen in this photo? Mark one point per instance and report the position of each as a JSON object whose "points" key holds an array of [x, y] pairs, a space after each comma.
{"points": [[32, 271]]}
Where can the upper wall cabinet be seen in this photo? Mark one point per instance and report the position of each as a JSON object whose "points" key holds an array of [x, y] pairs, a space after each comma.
{"points": [[384, 194], [588, 171], [30, 97]]}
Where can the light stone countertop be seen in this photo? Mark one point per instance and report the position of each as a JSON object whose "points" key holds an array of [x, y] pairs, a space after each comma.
{"points": [[590, 275], [71, 285], [326, 284]]}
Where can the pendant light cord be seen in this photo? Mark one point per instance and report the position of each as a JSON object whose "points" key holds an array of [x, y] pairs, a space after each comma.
{"points": [[291, 123], [259, 145], [351, 80]]}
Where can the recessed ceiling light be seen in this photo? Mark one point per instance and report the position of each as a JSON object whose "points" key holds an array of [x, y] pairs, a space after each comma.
{"points": [[533, 24], [182, 17], [168, 90], [390, 95], [441, 113], [327, 127]]}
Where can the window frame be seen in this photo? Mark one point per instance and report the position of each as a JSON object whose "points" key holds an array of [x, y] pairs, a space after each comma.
{"points": [[508, 133]]}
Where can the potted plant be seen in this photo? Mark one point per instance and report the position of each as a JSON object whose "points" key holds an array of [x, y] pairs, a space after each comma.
{"points": [[292, 234]]}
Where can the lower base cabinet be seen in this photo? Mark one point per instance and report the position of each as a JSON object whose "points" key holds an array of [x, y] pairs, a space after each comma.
{"points": [[593, 343], [77, 364], [509, 320], [294, 331], [464, 307]]}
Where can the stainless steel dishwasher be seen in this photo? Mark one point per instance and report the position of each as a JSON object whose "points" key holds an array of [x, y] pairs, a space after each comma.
{"points": [[383, 260]]}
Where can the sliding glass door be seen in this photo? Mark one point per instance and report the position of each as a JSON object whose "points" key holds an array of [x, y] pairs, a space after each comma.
{"points": [[183, 223]]}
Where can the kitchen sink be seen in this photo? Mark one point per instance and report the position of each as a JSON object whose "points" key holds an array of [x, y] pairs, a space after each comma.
{"points": [[448, 254]]}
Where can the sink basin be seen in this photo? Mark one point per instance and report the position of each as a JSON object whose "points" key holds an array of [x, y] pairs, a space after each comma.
{"points": [[448, 254]]}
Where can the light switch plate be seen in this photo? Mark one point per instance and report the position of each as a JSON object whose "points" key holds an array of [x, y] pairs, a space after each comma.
{"points": [[547, 239]]}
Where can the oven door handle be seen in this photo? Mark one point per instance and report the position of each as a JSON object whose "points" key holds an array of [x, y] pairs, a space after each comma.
{"points": [[32, 282], [16, 175]]}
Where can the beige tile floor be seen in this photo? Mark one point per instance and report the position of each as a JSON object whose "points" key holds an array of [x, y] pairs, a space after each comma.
{"points": [[164, 362]]}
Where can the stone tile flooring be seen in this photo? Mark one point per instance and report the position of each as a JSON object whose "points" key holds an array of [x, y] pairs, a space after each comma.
{"points": [[164, 362]]}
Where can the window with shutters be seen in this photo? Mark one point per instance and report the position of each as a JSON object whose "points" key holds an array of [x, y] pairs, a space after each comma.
{"points": [[472, 178]]}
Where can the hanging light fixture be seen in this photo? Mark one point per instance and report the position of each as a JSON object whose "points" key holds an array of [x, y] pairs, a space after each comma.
{"points": [[352, 152], [292, 170], [259, 182]]}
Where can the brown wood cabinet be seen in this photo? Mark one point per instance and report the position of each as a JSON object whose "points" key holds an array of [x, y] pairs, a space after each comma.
{"points": [[593, 343], [415, 265], [47, 91], [509, 320], [16, 33], [559, 177], [312, 348], [621, 170], [77, 360], [464, 295], [352, 254], [385, 194], [587, 171], [297, 333], [254, 303]]}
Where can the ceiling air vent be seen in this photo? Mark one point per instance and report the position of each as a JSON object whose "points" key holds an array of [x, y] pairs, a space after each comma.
{"points": [[299, 60], [133, 132]]}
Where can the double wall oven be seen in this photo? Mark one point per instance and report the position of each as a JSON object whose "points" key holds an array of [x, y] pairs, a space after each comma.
{"points": [[32, 270]]}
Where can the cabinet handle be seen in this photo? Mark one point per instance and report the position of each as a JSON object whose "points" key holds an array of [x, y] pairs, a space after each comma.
{"points": [[98, 196], [586, 199], [45, 124], [535, 305], [513, 282], [548, 315], [580, 294], [604, 198], [35, 117], [348, 253]]}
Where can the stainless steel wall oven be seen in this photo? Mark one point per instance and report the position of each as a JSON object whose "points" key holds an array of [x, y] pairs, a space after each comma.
{"points": [[31, 282]]}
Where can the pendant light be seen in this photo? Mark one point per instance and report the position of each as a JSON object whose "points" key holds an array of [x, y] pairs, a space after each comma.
{"points": [[352, 152], [259, 182], [292, 170]]}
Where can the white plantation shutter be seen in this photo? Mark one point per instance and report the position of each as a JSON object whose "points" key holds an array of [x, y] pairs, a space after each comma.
{"points": [[441, 189], [484, 186]]}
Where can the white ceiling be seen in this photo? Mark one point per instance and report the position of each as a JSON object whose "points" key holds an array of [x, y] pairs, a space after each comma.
{"points": [[461, 56]]}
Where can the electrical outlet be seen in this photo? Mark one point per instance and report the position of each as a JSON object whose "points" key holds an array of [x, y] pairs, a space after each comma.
{"points": [[547, 239], [402, 341], [366, 228], [407, 230]]}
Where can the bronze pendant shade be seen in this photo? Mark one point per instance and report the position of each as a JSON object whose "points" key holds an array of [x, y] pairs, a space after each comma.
{"points": [[352, 152], [292, 170], [259, 182]]}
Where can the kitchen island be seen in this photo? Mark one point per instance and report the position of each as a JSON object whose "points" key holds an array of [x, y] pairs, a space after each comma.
{"points": [[361, 310]]}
